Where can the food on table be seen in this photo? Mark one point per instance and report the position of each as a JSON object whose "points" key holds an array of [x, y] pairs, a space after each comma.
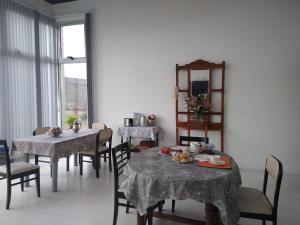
{"points": [[54, 131], [182, 157], [166, 150]]}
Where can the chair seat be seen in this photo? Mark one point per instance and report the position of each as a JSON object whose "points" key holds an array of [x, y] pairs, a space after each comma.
{"points": [[92, 151], [253, 201], [18, 167]]}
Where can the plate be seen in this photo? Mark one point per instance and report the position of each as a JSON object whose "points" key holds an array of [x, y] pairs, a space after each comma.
{"points": [[217, 162], [205, 157]]}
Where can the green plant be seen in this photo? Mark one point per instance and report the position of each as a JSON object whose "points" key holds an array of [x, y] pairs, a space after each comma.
{"points": [[70, 119]]}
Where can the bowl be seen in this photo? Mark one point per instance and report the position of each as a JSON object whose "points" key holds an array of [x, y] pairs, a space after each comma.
{"points": [[54, 132]]}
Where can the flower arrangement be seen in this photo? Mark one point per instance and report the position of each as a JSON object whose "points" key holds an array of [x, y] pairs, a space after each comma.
{"points": [[199, 104], [151, 119]]}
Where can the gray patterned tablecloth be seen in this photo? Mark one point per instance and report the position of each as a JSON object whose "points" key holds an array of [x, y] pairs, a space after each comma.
{"points": [[57, 147], [153, 177]]}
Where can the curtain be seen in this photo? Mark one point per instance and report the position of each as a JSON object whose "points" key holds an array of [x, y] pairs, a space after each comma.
{"points": [[48, 70], [23, 97]]}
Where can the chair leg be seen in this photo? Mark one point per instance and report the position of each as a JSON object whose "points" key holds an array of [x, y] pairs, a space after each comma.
{"points": [[263, 222], [37, 183], [173, 205], [127, 207], [50, 170], [275, 221], [68, 163], [104, 157], [22, 183], [8, 193], [150, 216], [109, 161], [80, 164], [36, 159], [116, 210], [97, 165]]}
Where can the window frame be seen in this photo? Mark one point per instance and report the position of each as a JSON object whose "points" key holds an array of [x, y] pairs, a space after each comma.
{"points": [[62, 61]]}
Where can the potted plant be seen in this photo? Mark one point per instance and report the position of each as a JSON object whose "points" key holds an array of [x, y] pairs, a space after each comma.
{"points": [[70, 120], [200, 105]]}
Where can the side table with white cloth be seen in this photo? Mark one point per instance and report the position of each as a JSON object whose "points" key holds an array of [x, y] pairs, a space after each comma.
{"points": [[149, 132], [64, 145]]}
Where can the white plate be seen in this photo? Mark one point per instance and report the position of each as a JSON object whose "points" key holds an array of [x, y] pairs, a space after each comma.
{"points": [[202, 158], [205, 157], [217, 162]]}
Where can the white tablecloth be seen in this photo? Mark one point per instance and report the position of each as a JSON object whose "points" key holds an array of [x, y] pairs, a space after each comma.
{"points": [[138, 132]]}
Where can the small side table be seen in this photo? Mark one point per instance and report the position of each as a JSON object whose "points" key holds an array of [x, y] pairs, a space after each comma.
{"points": [[150, 132]]}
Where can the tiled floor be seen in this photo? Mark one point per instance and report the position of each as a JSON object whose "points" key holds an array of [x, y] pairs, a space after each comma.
{"points": [[89, 201]]}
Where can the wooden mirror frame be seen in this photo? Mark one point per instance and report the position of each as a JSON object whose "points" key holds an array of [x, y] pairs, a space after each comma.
{"points": [[192, 124]]}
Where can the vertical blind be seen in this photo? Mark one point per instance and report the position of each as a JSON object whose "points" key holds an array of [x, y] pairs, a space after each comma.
{"points": [[19, 93]]}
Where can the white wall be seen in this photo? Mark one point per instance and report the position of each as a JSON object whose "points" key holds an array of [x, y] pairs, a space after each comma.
{"points": [[138, 42]]}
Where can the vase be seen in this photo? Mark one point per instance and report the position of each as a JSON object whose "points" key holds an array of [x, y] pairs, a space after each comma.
{"points": [[151, 122]]}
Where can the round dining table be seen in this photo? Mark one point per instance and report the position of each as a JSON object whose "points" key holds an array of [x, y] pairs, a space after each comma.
{"points": [[153, 177]]}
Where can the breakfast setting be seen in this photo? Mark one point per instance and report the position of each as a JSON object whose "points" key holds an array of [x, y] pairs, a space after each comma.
{"points": [[201, 153]]}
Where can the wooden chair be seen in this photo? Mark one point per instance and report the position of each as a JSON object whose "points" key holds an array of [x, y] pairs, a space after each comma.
{"points": [[100, 126], [183, 139], [104, 136], [121, 154], [17, 170], [188, 139], [254, 204], [41, 131]]}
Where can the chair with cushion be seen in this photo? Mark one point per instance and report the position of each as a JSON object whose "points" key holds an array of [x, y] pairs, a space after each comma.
{"points": [[100, 126], [104, 137], [121, 154], [41, 131], [17, 170], [255, 204]]}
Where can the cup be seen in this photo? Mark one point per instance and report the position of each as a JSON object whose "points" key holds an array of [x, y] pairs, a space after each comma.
{"points": [[186, 150], [195, 147]]}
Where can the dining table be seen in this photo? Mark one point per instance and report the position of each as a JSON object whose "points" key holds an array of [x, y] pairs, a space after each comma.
{"points": [[66, 144], [153, 177]]}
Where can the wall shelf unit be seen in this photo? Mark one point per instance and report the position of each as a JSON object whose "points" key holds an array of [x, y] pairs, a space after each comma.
{"points": [[188, 75]]}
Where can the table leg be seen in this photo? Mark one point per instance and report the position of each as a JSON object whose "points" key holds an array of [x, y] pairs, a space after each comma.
{"points": [[140, 220], [122, 139], [26, 159], [156, 142], [54, 176], [211, 215], [75, 159]]}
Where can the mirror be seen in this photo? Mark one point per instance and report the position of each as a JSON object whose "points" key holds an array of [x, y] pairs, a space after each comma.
{"points": [[199, 82]]}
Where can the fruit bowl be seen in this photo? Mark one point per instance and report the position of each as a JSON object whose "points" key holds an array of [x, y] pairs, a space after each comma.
{"points": [[54, 132]]}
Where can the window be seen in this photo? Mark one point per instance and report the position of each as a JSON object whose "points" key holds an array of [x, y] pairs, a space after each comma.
{"points": [[73, 74]]}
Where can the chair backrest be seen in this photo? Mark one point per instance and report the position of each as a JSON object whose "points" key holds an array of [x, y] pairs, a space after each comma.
{"points": [[192, 139], [40, 131], [121, 155], [99, 125], [104, 136], [275, 171], [4, 156]]}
